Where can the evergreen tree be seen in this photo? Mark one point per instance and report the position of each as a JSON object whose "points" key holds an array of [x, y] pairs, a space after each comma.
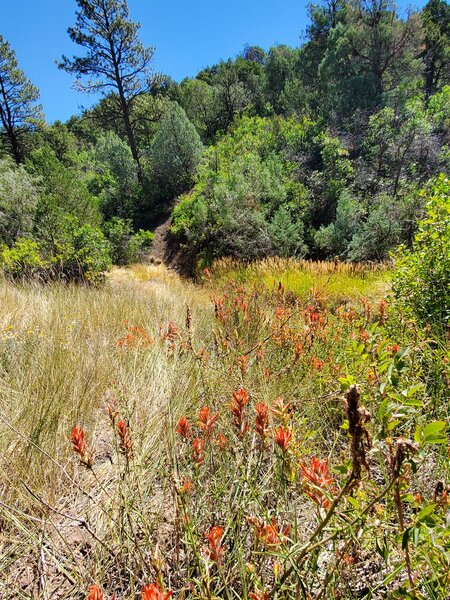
{"points": [[436, 53], [115, 59], [19, 112]]}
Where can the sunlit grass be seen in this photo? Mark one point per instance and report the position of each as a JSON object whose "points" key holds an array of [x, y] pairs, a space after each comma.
{"points": [[149, 348], [335, 282]]}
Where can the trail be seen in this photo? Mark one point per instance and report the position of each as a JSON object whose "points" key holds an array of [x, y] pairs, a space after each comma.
{"points": [[159, 251]]}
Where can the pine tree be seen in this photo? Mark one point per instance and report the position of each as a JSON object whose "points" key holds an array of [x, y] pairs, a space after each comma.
{"points": [[19, 112], [115, 59]]}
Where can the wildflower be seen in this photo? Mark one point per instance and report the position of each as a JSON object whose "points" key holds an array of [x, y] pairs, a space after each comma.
{"points": [[80, 447], [281, 410], [317, 363], [154, 591], [283, 436], [170, 335], [280, 312], [259, 595], [269, 533], [298, 350], [125, 443], [364, 336], [219, 310], [382, 306], [207, 273], [186, 488], [222, 441], [266, 375], [395, 348], [207, 420], [318, 481], [243, 364], [183, 428], [215, 548], [95, 593], [198, 448], [240, 399], [262, 419], [112, 411]]}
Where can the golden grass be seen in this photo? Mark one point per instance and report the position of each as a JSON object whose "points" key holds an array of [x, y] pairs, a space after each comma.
{"points": [[61, 365]]}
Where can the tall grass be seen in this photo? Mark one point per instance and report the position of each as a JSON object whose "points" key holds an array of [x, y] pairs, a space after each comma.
{"points": [[124, 363], [338, 282]]}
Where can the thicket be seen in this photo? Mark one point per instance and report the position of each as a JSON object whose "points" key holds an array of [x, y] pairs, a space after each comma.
{"points": [[317, 151]]}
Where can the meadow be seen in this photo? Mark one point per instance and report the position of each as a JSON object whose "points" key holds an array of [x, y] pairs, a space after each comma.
{"points": [[275, 430]]}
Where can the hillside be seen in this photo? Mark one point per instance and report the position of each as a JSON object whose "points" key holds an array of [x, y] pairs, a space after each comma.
{"points": [[316, 151]]}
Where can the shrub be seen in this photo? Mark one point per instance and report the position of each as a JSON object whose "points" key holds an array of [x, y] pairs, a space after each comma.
{"points": [[19, 195], [422, 282], [126, 247], [81, 254], [24, 260]]}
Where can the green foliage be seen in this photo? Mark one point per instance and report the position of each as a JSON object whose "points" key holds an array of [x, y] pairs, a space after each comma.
{"points": [[80, 254], [335, 238], [254, 187], [19, 113], [125, 246], [19, 195], [24, 260], [119, 177], [65, 191], [287, 234], [176, 151], [422, 282]]}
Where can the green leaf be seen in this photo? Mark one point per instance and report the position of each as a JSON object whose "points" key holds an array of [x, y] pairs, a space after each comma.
{"points": [[425, 512], [431, 433]]}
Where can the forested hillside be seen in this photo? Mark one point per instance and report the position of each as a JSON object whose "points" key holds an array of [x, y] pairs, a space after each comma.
{"points": [[315, 151]]}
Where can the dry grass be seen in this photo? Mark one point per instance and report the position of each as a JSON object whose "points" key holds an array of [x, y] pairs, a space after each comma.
{"points": [[64, 527]]}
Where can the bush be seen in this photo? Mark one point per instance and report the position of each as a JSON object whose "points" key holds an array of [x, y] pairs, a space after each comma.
{"points": [[126, 247], [81, 254], [422, 282], [24, 261], [19, 193], [176, 151]]}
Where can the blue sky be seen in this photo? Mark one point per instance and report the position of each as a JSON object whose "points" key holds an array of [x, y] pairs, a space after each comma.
{"points": [[187, 35]]}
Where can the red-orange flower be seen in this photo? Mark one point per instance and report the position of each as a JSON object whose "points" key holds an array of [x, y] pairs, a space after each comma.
{"points": [[183, 428], [80, 447], [215, 548], [207, 420], [125, 443], [318, 481], [262, 419], [269, 533], [283, 436], [243, 364], [222, 441], [240, 400], [281, 410], [154, 591], [187, 487], [198, 451], [259, 595], [317, 363], [95, 593]]}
